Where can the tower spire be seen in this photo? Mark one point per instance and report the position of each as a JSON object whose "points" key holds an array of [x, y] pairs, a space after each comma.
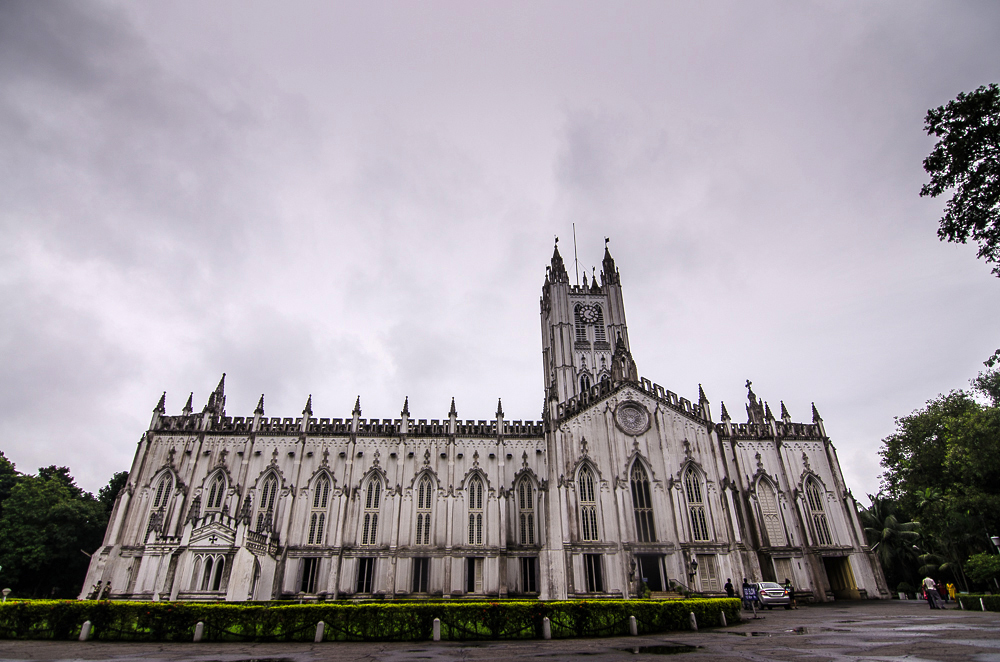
{"points": [[453, 411], [357, 407], [499, 408], [161, 406], [406, 407], [725, 414], [609, 273], [189, 406], [259, 411], [784, 413], [309, 407]]}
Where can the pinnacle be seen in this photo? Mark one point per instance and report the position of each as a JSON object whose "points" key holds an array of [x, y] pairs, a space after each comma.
{"points": [[189, 406], [406, 407], [453, 411], [499, 409], [309, 406], [357, 407], [161, 406], [725, 414], [260, 406]]}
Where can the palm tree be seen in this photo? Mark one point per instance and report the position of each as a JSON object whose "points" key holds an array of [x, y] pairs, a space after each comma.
{"points": [[891, 540]]}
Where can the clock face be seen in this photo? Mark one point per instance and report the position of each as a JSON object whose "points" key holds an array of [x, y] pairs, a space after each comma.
{"points": [[589, 314]]}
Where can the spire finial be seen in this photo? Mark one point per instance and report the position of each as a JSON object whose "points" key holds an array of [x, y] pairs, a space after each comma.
{"points": [[260, 406], [357, 407], [406, 407], [189, 407], [309, 407], [784, 413], [701, 395], [816, 417], [161, 406], [453, 411], [767, 412], [499, 408], [725, 414]]}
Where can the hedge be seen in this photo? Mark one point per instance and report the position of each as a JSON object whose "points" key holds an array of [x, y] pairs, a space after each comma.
{"points": [[972, 602], [175, 621]]}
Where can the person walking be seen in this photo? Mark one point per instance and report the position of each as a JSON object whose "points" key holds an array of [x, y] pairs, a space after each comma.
{"points": [[930, 590], [746, 594], [791, 593], [730, 589]]}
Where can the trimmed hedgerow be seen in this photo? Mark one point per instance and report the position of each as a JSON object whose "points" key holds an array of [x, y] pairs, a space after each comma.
{"points": [[175, 621], [972, 603]]}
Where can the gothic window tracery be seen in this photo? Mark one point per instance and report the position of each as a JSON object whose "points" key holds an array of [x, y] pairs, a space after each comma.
{"points": [[768, 503], [584, 383], [216, 492], [642, 504], [526, 511], [317, 519], [373, 499], [424, 492], [817, 514], [588, 504], [476, 511], [265, 507], [693, 492], [163, 489]]}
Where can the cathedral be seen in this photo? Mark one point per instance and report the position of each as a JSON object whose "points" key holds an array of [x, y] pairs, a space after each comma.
{"points": [[622, 487]]}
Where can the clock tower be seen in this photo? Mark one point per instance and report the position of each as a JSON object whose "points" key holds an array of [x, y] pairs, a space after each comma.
{"points": [[582, 326]]}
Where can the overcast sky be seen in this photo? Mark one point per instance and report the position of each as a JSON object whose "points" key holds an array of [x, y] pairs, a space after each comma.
{"points": [[361, 198]]}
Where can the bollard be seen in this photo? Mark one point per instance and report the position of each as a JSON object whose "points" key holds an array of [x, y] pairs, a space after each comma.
{"points": [[85, 631], [199, 632], [722, 619], [320, 629], [437, 629], [694, 621], [633, 627], [546, 628], [981, 605], [960, 605]]}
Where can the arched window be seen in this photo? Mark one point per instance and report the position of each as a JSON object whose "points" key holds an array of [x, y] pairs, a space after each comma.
{"points": [[163, 489], [424, 492], [475, 511], [584, 383], [317, 520], [526, 511], [768, 502], [373, 499], [642, 504], [265, 509], [581, 326], [211, 576], [696, 504], [588, 504], [817, 515], [599, 332], [216, 491]]}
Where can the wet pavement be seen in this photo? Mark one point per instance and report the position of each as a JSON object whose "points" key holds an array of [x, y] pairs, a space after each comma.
{"points": [[872, 630]]}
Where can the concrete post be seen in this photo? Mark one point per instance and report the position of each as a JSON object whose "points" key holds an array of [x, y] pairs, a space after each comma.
{"points": [[546, 628], [981, 605], [85, 631], [633, 627], [199, 632], [437, 629], [694, 621], [722, 619], [320, 629]]}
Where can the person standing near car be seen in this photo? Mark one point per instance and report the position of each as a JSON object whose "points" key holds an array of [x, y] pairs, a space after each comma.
{"points": [[791, 592]]}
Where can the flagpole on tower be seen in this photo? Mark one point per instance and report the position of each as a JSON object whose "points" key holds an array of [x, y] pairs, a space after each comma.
{"points": [[576, 262]]}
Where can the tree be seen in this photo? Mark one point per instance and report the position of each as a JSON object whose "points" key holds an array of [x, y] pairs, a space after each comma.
{"points": [[8, 479], [47, 528], [966, 159], [107, 494], [891, 539], [983, 568]]}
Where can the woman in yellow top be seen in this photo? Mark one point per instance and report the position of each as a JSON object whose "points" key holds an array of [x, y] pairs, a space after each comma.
{"points": [[951, 590]]}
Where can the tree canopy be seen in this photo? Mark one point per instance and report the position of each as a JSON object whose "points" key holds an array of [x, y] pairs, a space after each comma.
{"points": [[942, 469], [966, 159], [48, 527]]}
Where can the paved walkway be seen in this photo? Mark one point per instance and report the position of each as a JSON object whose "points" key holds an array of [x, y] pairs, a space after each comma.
{"points": [[872, 630]]}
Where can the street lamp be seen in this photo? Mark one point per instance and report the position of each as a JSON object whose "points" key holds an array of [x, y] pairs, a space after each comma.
{"points": [[996, 542], [5, 592]]}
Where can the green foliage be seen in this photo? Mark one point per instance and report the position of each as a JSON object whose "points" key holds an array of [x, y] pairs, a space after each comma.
{"points": [[8, 479], [175, 621], [972, 602], [966, 159], [107, 494], [891, 538], [48, 524], [942, 468], [983, 567]]}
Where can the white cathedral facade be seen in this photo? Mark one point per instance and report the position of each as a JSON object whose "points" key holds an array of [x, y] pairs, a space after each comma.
{"points": [[622, 485]]}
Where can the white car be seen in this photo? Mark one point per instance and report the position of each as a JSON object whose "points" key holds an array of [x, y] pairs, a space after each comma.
{"points": [[772, 593]]}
